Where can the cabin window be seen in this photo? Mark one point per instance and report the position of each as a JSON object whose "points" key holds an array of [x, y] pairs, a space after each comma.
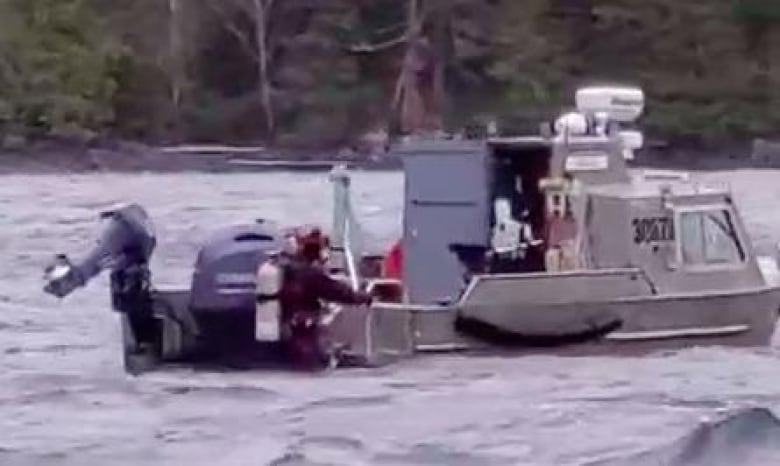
{"points": [[708, 237]]}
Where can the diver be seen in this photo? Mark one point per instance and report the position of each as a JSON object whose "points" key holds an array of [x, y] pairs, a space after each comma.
{"points": [[305, 285]]}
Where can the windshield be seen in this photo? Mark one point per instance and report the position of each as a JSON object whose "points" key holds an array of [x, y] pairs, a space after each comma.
{"points": [[708, 237]]}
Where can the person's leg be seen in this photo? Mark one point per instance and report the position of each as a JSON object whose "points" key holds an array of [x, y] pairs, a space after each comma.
{"points": [[305, 351]]}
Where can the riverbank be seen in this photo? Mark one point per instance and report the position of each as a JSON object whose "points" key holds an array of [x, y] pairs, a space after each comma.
{"points": [[54, 157], [122, 157]]}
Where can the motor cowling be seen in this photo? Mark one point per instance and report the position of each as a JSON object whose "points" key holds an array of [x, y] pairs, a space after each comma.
{"points": [[227, 265]]}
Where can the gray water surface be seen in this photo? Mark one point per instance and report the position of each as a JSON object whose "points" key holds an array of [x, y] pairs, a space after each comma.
{"points": [[64, 398]]}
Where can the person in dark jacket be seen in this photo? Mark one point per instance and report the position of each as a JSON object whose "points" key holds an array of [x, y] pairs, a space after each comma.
{"points": [[306, 285]]}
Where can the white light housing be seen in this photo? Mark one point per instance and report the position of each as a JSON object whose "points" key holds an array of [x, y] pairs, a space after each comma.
{"points": [[633, 140], [571, 124], [621, 104]]}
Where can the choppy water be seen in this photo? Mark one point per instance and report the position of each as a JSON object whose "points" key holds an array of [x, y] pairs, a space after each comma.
{"points": [[64, 398]]}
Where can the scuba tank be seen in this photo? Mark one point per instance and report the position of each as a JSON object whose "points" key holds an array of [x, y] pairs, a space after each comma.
{"points": [[268, 310]]}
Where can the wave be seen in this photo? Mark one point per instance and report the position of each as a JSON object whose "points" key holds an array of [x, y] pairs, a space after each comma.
{"points": [[747, 437]]}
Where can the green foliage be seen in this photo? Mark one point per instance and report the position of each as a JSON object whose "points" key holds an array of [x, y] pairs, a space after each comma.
{"points": [[319, 84], [756, 10], [55, 62], [710, 68]]}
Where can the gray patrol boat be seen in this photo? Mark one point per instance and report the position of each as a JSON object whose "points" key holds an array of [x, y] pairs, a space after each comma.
{"points": [[553, 241], [543, 243]]}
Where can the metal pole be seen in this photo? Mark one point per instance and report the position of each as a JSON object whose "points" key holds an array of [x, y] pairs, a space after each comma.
{"points": [[350, 259]]}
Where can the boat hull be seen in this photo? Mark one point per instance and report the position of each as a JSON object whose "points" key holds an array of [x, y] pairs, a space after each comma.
{"points": [[544, 303], [389, 332], [386, 333]]}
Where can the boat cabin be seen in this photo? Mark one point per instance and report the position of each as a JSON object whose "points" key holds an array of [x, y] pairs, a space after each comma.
{"points": [[464, 197], [560, 203]]}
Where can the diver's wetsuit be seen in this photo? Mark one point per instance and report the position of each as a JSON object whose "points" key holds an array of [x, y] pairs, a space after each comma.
{"points": [[304, 285]]}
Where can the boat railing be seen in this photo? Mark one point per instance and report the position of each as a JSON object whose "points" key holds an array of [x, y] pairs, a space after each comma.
{"points": [[346, 240], [385, 290]]}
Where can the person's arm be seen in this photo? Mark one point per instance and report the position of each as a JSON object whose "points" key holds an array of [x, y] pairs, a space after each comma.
{"points": [[333, 290]]}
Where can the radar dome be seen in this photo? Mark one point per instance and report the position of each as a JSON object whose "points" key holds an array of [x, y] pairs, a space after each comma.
{"points": [[622, 104]]}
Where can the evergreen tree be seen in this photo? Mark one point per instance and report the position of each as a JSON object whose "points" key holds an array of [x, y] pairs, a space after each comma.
{"points": [[324, 72], [55, 63]]}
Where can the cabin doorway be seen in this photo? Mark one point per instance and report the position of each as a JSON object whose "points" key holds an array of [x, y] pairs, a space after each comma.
{"points": [[515, 175]]}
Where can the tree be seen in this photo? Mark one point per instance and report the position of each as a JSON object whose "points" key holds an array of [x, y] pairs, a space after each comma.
{"points": [[55, 60], [416, 101], [320, 73], [256, 43], [176, 51], [324, 93]]}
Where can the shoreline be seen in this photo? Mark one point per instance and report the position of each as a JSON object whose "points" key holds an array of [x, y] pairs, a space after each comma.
{"points": [[58, 158], [63, 158]]}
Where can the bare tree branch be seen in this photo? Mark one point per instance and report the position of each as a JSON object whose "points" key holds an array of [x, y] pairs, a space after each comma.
{"points": [[261, 16], [269, 4], [256, 46], [175, 46], [231, 27], [415, 20], [381, 46], [388, 29], [246, 6]]}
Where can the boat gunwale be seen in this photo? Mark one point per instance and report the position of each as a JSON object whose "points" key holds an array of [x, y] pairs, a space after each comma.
{"points": [[756, 290]]}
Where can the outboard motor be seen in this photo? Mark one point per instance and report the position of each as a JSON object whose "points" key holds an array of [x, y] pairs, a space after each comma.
{"points": [[126, 242], [124, 247]]}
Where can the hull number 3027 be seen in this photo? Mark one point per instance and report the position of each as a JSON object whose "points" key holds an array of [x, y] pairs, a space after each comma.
{"points": [[652, 229]]}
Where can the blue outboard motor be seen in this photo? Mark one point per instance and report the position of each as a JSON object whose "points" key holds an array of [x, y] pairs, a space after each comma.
{"points": [[223, 291], [226, 266], [123, 247], [213, 319], [126, 242]]}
